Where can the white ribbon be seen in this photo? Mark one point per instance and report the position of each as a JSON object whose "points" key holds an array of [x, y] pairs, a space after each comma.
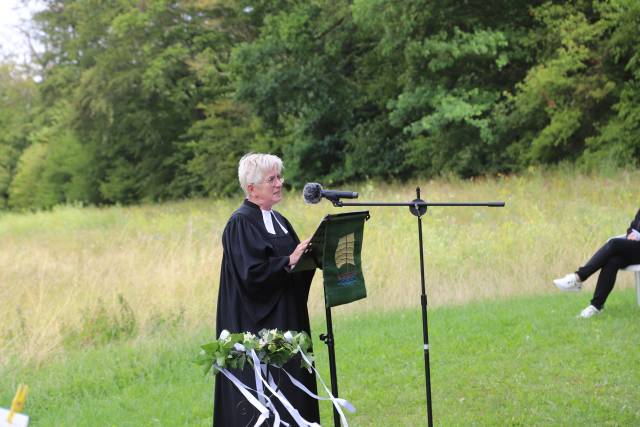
{"points": [[264, 404], [342, 402], [256, 373], [259, 381], [264, 412], [337, 402], [271, 386]]}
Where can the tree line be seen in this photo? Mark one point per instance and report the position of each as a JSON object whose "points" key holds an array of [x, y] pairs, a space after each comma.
{"points": [[148, 100]]}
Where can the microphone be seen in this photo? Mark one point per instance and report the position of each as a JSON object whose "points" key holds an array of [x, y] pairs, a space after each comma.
{"points": [[313, 192]]}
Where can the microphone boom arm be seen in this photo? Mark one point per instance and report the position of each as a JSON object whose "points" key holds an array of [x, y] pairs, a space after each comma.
{"points": [[416, 203]]}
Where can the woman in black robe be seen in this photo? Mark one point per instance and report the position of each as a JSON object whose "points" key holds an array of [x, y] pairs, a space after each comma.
{"points": [[257, 291]]}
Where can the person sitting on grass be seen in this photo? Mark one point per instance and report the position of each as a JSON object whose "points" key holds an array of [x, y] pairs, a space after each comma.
{"points": [[617, 253]]}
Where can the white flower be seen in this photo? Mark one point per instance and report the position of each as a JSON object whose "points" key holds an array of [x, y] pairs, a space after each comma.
{"points": [[248, 336], [239, 347], [224, 335], [288, 336]]}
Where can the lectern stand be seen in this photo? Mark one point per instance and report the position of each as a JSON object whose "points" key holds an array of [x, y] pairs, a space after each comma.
{"points": [[335, 248]]}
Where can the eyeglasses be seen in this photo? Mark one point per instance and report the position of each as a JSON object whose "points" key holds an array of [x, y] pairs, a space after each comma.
{"points": [[272, 179]]}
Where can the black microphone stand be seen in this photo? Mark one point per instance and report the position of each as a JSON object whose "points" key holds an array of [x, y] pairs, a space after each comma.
{"points": [[418, 208], [328, 340]]}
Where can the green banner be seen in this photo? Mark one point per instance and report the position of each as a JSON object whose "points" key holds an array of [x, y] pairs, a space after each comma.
{"points": [[341, 260]]}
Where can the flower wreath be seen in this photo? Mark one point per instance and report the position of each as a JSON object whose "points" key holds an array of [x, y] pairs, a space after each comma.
{"points": [[271, 347]]}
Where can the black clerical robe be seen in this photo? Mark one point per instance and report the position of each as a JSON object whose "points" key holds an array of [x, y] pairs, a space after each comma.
{"points": [[257, 292]]}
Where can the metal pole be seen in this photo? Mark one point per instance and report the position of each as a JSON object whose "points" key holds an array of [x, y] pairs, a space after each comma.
{"points": [[328, 340], [425, 323], [418, 203]]}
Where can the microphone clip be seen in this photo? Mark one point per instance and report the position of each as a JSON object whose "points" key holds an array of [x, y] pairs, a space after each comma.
{"points": [[335, 200]]}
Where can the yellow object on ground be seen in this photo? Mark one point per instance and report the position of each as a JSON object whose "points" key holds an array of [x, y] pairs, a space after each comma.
{"points": [[17, 405]]}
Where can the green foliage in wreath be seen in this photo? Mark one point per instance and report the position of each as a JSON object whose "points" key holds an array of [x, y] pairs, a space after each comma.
{"points": [[272, 346]]}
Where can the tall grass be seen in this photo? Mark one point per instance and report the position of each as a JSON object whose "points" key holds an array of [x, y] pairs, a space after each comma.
{"points": [[525, 361], [66, 275]]}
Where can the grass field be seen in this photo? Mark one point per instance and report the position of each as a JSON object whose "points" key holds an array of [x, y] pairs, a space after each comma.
{"points": [[89, 274], [102, 308], [526, 361]]}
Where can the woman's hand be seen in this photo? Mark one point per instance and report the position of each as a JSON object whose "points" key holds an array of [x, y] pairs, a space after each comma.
{"points": [[298, 251]]}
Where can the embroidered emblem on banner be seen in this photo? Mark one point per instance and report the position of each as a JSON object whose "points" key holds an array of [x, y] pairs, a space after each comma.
{"points": [[345, 260]]}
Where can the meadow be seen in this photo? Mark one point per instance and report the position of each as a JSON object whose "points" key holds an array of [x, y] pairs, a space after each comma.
{"points": [[526, 361], [103, 308]]}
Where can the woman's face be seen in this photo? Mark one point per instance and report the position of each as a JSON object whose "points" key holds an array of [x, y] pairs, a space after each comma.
{"points": [[268, 192]]}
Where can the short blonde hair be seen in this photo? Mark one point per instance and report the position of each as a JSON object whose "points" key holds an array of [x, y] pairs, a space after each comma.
{"points": [[253, 167]]}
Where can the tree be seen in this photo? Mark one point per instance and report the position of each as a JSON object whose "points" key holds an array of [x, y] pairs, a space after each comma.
{"points": [[296, 76], [385, 88], [18, 98], [23, 193], [140, 76], [575, 102]]}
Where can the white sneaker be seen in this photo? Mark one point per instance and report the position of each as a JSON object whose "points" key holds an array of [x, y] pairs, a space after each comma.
{"points": [[569, 283], [589, 312]]}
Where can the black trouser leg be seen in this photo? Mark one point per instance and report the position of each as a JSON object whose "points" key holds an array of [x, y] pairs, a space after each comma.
{"points": [[612, 256], [606, 280]]}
